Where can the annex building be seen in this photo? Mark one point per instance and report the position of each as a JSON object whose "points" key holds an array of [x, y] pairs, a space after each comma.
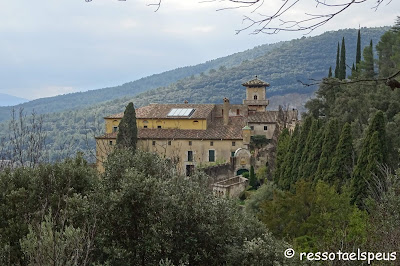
{"points": [[194, 135]]}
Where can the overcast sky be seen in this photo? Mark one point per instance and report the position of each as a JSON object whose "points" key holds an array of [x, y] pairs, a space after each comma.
{"points": [[50, 47]]}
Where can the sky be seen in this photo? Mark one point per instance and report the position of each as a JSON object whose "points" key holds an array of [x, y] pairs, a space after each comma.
{"points": [[52, 47]]}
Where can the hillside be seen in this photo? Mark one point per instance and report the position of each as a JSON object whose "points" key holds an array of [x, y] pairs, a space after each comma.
{"points": [[81, 100], [10, 100], [301, 59]]}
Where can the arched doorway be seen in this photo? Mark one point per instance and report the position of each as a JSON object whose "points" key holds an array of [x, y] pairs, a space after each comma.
{"points": [[241, 171]]}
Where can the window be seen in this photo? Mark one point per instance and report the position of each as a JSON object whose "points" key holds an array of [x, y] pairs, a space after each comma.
{"points": [[211, 155], [190, 143], [232, 154], [211, 143], [190, 156], [144, 126], [111, 142], [115, 129], [233, 143], [169, 142], [255, 97], [252, 127], [237, 112], [265, 127], [158, 126], [154, 143]]}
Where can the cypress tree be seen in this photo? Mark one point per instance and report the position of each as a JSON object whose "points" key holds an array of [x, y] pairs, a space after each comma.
{"points": [[286, 180], [328, 148], [342, 161], [305, 128], [342, 67], [358, 53], [330, 72], [308, 146], [252, 178], [127, 131], [310, 168], [281, 150], [337, 62], [362, 175]]}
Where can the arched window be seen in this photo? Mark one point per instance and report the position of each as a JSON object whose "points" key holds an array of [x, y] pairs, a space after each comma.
{"points": [[255, 97]]}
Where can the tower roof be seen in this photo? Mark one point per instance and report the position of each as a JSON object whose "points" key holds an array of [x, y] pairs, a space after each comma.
{"points": [[256, 83]]}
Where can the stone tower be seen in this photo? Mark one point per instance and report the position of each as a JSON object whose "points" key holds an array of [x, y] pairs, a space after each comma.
{"points": [[256, 99]]}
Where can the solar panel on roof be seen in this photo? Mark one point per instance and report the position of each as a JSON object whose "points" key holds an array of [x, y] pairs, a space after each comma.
{"points": [[181, 112]]}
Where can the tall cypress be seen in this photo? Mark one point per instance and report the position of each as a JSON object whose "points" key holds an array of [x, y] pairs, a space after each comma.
{"points": [[337, 61], [286, 179], [281, 150], [328, 148], [305, 128], [358, 53], [342, 67], [362, 176], [127, 130], [342, 162], [308, 147], [330, 72], [310, 168]]}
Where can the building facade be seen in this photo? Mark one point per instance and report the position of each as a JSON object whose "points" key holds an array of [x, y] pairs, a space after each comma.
{"points": [[199, 135]]}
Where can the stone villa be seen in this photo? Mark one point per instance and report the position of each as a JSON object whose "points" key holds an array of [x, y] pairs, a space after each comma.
{"points": [[202, 134]]}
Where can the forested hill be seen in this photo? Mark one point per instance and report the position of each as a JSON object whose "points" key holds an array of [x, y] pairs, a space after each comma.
{"points": [[310, 57], [81, 100], [298, 60]]}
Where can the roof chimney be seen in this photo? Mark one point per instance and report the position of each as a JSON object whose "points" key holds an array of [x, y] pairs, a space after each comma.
{"points": [[226, 109]]}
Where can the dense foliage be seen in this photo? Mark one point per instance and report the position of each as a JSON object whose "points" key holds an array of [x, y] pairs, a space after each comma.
{"points": [[334, 184], [139, 212]]}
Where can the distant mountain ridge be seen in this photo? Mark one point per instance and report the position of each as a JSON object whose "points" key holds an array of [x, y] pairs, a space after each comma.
{"points": [[10, 100]]}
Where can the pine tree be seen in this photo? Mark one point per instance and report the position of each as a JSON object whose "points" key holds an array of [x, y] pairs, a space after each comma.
{"points": [[330, 72], [342, 161], [127, 131], [342, 66], [358, 53], [328, 148], [337, 62], [286, 179], [367, 65], [281, 150]]}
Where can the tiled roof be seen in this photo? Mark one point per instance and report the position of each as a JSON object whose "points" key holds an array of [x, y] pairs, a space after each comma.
{"points": [[256, 83], [160, 111], [265, 117], [215, 131]]}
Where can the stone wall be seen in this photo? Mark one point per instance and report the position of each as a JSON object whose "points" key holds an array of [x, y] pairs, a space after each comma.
{"points": [[231, 187], [219, 172]]}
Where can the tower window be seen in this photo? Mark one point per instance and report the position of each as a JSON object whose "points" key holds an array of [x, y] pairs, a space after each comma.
{"points": [[255, 97], [265, 127], [111, 142], [115, 129]]}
